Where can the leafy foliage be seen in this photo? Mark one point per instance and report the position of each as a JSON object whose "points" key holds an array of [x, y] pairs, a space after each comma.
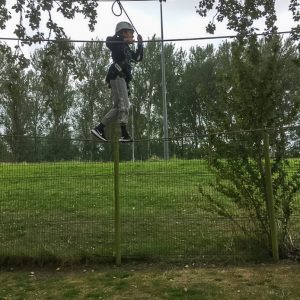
{"points": [[14, 101], [33, 15], [57, 95], [261, 93], [92, 98], [241, 16], [256, 89]]}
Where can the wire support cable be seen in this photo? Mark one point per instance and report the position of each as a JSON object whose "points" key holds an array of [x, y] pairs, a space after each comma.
{"points": [[172, 138], [146, 41]]}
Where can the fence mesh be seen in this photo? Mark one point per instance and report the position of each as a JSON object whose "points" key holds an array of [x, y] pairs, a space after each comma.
{"points": [[59, 205]]}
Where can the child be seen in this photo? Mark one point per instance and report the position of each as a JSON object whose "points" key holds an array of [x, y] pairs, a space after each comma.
{"points": [[118, 78]]}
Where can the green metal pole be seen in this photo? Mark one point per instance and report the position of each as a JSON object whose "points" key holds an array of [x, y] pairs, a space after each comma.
{"points": [[116, 157], [270, 199]]}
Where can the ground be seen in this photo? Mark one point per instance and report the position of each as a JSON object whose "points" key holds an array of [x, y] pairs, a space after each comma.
{"points": [[153, 281]]}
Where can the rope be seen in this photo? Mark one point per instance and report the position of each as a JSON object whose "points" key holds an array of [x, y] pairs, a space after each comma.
{"points": [[122, 9]]}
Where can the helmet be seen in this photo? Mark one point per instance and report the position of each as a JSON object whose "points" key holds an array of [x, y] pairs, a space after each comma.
{"points": [[123, 26]]}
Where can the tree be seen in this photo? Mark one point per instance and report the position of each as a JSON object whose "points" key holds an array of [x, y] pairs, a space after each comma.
{"points": [[92, 93], [14, 102], [147, 96], [241, 16], [54, 70], [257, 90], [36, 22], [34, 15], [198, 94], [175, 62], [259, 96]]}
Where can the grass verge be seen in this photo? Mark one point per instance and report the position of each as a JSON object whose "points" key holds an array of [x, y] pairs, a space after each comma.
{"points": [[141, 281]]}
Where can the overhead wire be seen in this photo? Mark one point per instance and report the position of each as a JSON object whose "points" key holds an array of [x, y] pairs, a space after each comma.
{"points": [[172, 138], [146, 41]]}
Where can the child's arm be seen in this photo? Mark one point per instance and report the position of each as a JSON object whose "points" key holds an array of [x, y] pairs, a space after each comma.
{"points": [[139, 53]]}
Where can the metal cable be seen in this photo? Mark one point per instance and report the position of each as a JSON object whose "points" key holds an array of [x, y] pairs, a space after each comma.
{"points": [[147, 41], [172, 138]]}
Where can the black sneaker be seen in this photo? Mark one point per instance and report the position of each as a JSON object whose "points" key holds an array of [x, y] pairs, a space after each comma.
{"points": [[99, 133], [125, 138]]}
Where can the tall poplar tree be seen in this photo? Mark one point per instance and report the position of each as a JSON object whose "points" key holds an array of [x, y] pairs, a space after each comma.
{"points": [[53, 65], [14, 103]]}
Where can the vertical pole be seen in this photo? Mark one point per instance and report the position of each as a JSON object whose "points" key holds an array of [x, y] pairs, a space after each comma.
{"points": [[117, 216], [132, 132], [270, 199], [164, 90]]}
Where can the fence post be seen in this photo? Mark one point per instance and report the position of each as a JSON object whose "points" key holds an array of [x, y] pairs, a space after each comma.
{"points": [[270, 199], [117, 215]]}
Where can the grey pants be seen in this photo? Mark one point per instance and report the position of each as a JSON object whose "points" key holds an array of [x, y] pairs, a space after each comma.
{"points": [[119, 97]]}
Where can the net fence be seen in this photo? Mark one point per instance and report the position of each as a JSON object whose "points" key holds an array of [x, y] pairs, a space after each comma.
{"points": [[203, 203], [208, 201]]}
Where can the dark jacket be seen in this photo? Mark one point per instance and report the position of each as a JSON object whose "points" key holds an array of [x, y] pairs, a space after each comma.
{"points": [[122, 57]]}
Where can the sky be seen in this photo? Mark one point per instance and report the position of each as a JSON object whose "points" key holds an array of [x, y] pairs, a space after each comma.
{"points": [[179, 18]]}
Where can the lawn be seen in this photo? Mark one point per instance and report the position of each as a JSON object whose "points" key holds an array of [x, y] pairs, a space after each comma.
{"points": [[154, 281], [63, 212]]}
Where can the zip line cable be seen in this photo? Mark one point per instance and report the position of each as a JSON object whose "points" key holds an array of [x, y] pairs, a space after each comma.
{"points": [[147, 41], [122, 9], [172, 138]]}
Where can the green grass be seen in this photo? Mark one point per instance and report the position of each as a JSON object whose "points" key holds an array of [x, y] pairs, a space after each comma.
{"points": [[144, 281], [64, 212]]}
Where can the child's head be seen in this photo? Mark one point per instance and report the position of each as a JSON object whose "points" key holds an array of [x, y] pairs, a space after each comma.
{"points": [[125, 30]]}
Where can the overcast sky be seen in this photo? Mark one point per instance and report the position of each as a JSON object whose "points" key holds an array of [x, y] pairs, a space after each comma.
{"points": [[180, 21]]}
